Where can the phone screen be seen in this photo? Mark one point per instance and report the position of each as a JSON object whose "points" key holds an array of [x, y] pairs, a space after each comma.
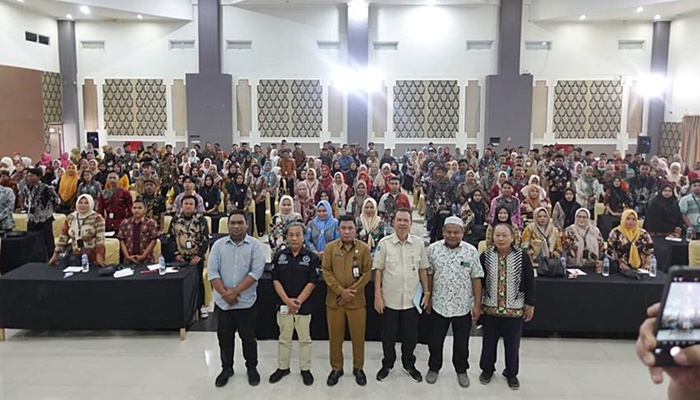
{"points": [[678, 325]]}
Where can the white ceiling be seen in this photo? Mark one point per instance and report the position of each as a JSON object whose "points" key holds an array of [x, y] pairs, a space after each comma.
{"points": [[611, 10], [104, 10]]}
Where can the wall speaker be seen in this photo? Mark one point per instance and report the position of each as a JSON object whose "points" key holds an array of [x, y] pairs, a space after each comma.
{"points": [[644, 144]]}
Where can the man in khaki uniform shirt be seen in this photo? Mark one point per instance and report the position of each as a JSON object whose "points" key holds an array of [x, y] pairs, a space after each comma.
{"points": [[347, 265], [401, 264]]}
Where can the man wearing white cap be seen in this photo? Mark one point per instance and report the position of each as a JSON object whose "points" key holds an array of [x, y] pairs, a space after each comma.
{"points": [[456, 298]]}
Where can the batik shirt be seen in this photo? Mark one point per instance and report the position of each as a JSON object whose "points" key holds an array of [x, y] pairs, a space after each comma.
{"points": [[39, 201], [557, 178], [148, 231], [453, 271], [193, 230], [168, 174], [155, 207], [441, 195], [7, 206]]}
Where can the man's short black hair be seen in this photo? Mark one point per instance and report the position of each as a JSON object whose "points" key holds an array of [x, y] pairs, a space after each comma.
{"points": [[236, 211], [189, 196], [346, 218], [463, 161], [406, 210], [190, 178], [442, 168], [694, 181], [140, 199], [509, 183], [558, 156], [394, 178]]}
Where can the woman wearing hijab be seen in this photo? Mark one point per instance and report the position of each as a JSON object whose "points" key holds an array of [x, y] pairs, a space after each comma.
{"points": [[564, 213], [532, 201], [630, 245], [675, 175], [211, 195], [409, 169], [257, 186], [541, 239], [370, 228], [381, 181], [274, 158], [577, 172], [89, 185], [616, 199], [326, 179], [84, 231], [663, 216], [351, 174], [583, 244], [588, 189], [394, 170], [358, 199], [239, 195], [304, 204], [534, 180], [336, 168], [321, 230], [280, 222], [466, 189], [502, 216], [45, 159], [68, 189], [474, 212], [341, 193], [311, 183], [65, 160], [271, 183]]}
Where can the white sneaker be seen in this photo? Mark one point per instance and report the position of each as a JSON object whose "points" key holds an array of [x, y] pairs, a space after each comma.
{"points": [[204, 313]]}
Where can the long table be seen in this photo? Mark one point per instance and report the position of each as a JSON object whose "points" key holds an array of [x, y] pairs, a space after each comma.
{"points": [[593, 304], [37, 296], [19, 250]]}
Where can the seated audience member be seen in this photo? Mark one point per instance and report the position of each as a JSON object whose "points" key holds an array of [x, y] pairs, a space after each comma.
{"points": [[502, 217], [474, 214], [154, 203], [616, 199], [508, 200], [370, 227], [68, 189], [358, 200], [564, 212], [532, 201], [137, 235], [541, 239], [583, 244], [321, 230], [280, 222], [211, 195], [588, 189], [630, 245], [84, 231], [190, 186], [89, 185], [690, 207], [304, 204], [189, 238], [664, 216], [115, 203]]}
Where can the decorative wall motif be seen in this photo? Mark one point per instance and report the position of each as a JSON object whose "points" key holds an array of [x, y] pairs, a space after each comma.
{"points": [[426, 109], [51, 97], [670, 139], [135, 107], [290, 108], [587, 109]]}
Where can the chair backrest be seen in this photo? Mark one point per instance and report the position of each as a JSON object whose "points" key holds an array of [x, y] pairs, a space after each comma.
{"points": [[694, 253], [482, 247], [20, 222], [223, 226], [598, 210], [58, 220], [166, 223]]}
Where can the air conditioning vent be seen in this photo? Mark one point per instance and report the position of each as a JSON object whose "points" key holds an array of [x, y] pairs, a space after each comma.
{"points": [[239, 45], [44, 40], [479, 45], [630, 44], [31, 37], [385, 46], [92, 44], [546, 46], [182, 45], [328, 45]]}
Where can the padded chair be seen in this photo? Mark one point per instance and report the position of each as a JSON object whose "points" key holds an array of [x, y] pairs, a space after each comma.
{"points": [[166, 223], [640, 223], [598, 210], [482, 247], [694, 253], [208, 222], [58, 220], [223, 226], [133, 194], [20, 222], [112, 250]]}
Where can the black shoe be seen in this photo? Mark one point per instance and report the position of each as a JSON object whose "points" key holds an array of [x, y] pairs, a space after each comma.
{"points": [[333, 377], [253, 377], [360, 377], [307, 377], [278, 375], [485, 377], [513, 383], [223, 377], [383, 373], [414, 374]]}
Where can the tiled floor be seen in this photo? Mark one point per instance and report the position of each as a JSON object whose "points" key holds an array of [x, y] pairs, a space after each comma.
{"points": [[126, 365]]}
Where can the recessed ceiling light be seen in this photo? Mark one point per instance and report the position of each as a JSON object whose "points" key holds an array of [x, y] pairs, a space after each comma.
{"points": [[85, 10], [640, 9], [657, 17], [20, 1], [139, 16], [583, 17], [69, 16]]}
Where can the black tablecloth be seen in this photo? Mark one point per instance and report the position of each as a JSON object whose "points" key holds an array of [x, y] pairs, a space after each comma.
{"points": [[36, 296], [669, 253], [593, 304], [17, 251]]}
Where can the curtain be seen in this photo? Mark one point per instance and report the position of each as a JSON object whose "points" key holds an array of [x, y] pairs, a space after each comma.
{"points": [[690, 139]]}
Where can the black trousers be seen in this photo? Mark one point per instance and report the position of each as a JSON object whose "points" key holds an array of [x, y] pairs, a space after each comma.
{"points": [[260, 217], [554, 197], [200, 280], [494, 328], [393, 322], [460, 345], [438, 222], [243, 321], [47, 228]]}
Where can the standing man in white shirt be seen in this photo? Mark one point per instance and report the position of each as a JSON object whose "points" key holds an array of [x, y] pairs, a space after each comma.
{"points": [[401, 265], [456, 299]]}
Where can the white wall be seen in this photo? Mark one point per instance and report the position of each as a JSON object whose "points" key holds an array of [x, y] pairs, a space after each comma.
{"points": [[432, 41], [684, 68], [284, 41], [136, 50], [15, 50], [586, 50]]}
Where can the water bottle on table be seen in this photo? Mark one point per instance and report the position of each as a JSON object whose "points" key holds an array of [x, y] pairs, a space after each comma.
{"points": [[606, 266], [85, 263], [161, 265], [689, 234], [563, 260], [652, 267]]}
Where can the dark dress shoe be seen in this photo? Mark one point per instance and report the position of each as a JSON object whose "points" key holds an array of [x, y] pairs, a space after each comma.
{"points": [[253, 377], [360, 377], [307, 377], [278, 375], [223, 377], [333, 377]]}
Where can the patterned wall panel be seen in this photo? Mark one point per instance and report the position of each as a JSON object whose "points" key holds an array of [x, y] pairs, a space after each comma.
{"points": [[426, 109], [51, 99], [670, 139], [290, 108], [587, 109], [134, 107]]}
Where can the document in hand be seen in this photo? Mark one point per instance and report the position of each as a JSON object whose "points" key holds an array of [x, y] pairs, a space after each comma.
{"points": [[418, 297]]}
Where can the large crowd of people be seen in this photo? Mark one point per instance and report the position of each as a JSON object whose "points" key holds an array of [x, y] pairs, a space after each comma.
{"points": [[344, 210]]}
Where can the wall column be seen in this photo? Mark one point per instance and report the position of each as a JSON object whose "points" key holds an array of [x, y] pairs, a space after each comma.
{"points": [[358, 57], [659, 67], [68, 64]]}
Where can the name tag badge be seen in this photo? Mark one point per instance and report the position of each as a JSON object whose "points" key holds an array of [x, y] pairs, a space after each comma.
{"points": [[206, 204], [284, 310], [188, 245], [111, 216], [355, 272]]}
